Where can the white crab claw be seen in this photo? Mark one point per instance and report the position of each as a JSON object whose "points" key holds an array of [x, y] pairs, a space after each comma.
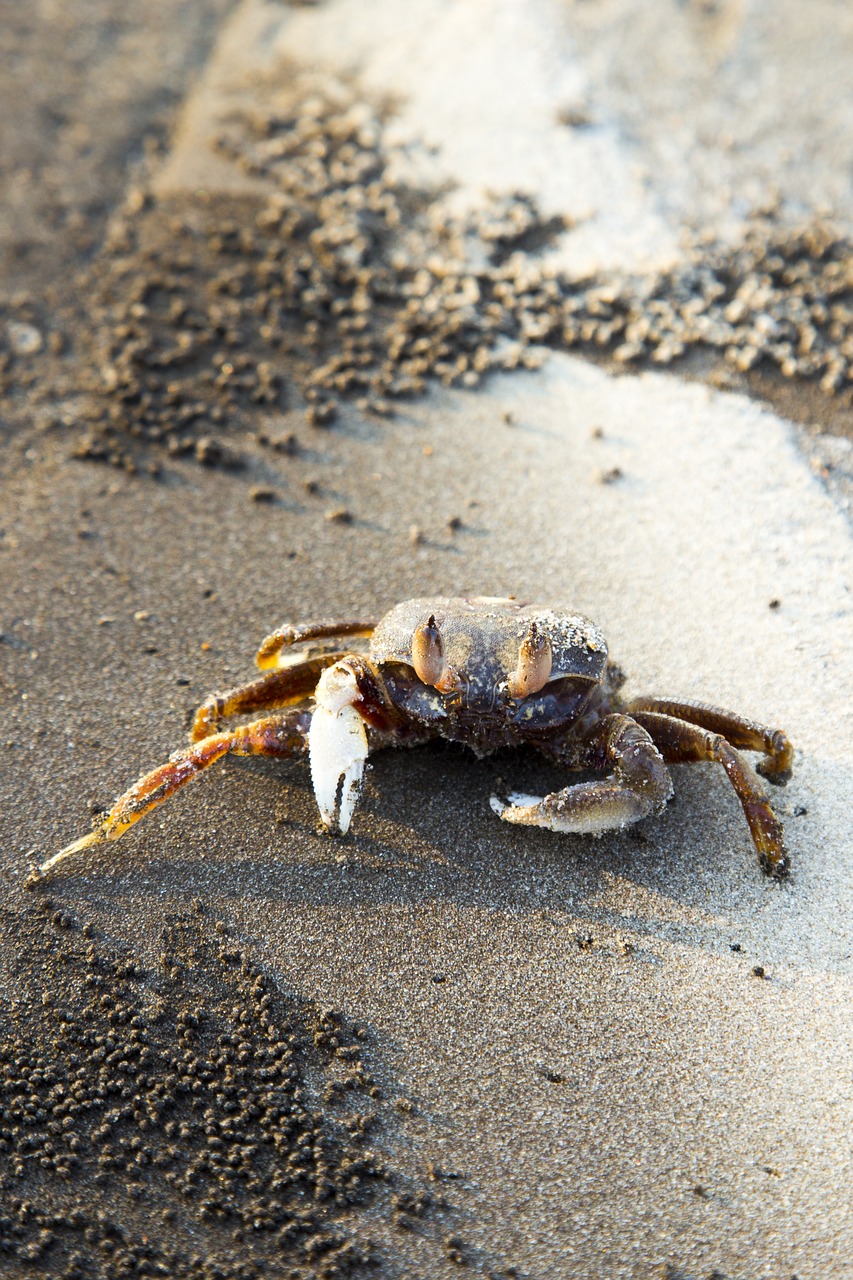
{"points": [[514, 800], [337, 748]]}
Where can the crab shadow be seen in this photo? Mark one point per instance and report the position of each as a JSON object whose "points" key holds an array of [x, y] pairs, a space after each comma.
{"points": [[424, 832]]}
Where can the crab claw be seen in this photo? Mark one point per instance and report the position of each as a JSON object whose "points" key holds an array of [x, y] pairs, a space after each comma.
{"points": [[337, 747]]}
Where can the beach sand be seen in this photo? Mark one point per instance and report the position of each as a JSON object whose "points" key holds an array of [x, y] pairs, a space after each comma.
{"points": [[497, 1048]]}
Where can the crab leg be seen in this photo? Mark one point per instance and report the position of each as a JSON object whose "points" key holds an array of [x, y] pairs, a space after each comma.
{"points": [[279, 688], [269, 654], [683, 743], [744, 734], [283, 736], [639, 786]]}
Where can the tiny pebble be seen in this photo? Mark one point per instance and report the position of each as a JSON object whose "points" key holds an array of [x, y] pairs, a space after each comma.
{"points": [[24, 339]]}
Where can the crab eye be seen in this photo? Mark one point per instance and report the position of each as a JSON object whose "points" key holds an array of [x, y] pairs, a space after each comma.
{"points": [[534, 664], [428, 658], [428, 651]]}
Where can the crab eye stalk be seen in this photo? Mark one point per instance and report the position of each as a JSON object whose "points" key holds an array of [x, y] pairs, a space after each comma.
{"points": [[428, 651], [428, 657], [534, 664]]}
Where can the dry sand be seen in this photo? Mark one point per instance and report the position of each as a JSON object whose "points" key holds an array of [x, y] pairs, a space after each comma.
{"points": [[573, 1029]]}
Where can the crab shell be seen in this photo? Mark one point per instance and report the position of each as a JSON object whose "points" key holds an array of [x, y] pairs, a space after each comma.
{"points": [[508, 672], [482, 637]]}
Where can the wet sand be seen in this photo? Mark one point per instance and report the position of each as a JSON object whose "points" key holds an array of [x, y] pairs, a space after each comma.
{"points": [[568, 1057]]}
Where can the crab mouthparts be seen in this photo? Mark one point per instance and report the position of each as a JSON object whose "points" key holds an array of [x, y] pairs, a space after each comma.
{"points": [[337, 749]]}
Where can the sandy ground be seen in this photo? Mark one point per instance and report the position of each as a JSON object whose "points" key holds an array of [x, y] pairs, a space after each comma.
{"points": [[575, 1054]]}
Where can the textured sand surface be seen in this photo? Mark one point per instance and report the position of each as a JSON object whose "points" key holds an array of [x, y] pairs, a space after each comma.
{"points": [[573, 1027]]}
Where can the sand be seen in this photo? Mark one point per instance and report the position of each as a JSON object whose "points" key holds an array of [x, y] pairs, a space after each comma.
{"points": [[595, 1058]]}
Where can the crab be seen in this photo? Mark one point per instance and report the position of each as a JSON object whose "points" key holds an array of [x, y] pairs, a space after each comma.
{"points": [[488, 672]]}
